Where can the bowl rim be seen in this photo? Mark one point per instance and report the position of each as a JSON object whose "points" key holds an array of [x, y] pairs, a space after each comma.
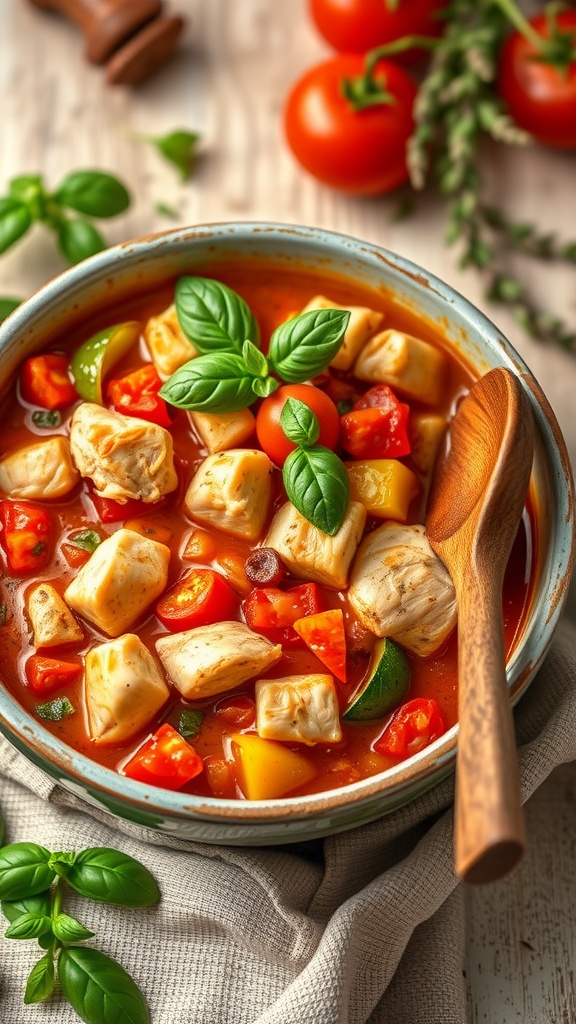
{"points": [[68, 765]]}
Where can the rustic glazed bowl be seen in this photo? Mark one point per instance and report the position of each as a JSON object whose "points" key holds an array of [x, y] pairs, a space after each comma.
{"points": [[139, 267]]}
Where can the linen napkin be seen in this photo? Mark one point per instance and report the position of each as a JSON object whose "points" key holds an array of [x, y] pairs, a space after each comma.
{"points": [[365, 926]]}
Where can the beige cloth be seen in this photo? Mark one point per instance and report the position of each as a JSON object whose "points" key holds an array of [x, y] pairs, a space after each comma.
{"points": [[364, 926]]}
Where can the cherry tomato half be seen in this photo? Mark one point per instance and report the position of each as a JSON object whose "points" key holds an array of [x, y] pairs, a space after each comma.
{"points": [[270, 434], [541, 97], [358, 151], [200, 598], [412, 727], [353, 26]]}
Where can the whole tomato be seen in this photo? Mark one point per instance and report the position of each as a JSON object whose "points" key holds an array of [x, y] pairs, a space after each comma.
{"points": [[541, 96], [361, 151], [353, 26], [269, 432]]}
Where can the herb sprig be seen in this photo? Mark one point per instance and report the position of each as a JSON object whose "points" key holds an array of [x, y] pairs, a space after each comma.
{"points": [[90, 193], [315, 479], [32, 887]]}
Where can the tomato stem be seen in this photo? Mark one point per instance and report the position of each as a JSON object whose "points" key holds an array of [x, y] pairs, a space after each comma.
{"points": [[558, 48], [516, 18]]}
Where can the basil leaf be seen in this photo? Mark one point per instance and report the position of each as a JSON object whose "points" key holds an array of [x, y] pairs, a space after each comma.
{"points": [[254, 359], [264, 386], [189, 723], [26, 187], [68, 929], [55, 710], [62, 861], [78, 239], [113, 877], [7, 306], [94, 193], [179, 148], [46, 418], [99, 989], [213, 316], [218, 382], [299, 423], [15, 219], [24, 871], [89, 540], [40, 982], [167, 211], [318, 485], [38, 904], [29, 926], [306, 344]]}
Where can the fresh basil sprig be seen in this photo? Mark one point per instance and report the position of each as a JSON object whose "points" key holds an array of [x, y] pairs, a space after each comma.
{"points": [[178, 148], [213, 316], [315, 479], [305, 345], [217, 382], [98, 988]]}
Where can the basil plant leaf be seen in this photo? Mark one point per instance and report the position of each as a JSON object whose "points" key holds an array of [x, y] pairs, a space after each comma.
{"points": [[24, 871], [218, 382], [264, 386], [189, 722], [254, 359], [113, 877], [306, 344], [299, 423], [99, 989], [15, 219], [68, 929], [39, 904], [78, 239], [40, 984], [179, 148], [29, 926], [93, 193], [318, 485], [7, 306], [213, 316]]}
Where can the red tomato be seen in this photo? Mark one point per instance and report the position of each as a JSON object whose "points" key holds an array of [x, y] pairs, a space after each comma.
{"points": [[359, 151], [110, 511], [376, 428], [44, 381], [137, 395], [26, 536], [198, 599], [165, 759], [412, 727], [354, 26], [238, 712], [273, 612], [541, 97], [47, 674], [270, 434], [324, 635]]}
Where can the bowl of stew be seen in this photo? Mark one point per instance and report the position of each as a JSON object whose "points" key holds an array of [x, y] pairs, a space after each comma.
{"points": [[220, 614]]}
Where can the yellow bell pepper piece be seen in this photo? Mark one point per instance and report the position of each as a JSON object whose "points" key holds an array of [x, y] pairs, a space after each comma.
{"points": [[268, 769], [384, 486]]}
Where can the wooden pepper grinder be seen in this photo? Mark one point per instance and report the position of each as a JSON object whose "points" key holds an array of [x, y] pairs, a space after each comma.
{"points": [[131, 37]]}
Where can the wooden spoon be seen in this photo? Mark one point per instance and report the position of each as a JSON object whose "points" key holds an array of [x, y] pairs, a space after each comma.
{"points": [[475, 506]]}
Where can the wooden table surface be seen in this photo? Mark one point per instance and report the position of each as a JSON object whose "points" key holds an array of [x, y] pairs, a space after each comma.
{"points": [[228, 82]]}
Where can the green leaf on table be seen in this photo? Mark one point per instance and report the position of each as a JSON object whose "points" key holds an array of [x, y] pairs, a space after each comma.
{"points": [[40, 984], [93, 193], [189, 723], [40, 903], [7, 306], [179, 148], [213, 316], [15, 219], [110, 876], [299, 423], [99, 989], [165, 210], [55, 710], [318, 485], [218, 382], [78, 239], [24, 871], [68, 929], [29, 926], [305, 345]]}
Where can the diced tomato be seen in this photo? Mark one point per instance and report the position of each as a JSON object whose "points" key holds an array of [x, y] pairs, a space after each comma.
{"points": [[324, 635], [110, 511], [239, 712], [44, 381], [412, 727], [26, 536], [273, 612], [220, 777], [198, 599], [165, 760], [376, 428], [137, 395], [47, 674]]}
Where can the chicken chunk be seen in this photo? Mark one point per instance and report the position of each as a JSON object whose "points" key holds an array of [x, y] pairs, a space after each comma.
{"points": [[124, 689], [41, 470], [298, 709], [310, 553], [400, 589], [52, 621], [219, 431], [213, 659], [125, 457], [233, 491], [414, 367], [121, 579], [362, 325], [168, 345]]}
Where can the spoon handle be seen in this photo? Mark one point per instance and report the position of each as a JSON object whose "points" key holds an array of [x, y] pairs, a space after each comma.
{"points": [[489, 824]]}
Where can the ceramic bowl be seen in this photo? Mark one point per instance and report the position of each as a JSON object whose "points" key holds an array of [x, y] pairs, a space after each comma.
{"points": [[138, 267]]}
